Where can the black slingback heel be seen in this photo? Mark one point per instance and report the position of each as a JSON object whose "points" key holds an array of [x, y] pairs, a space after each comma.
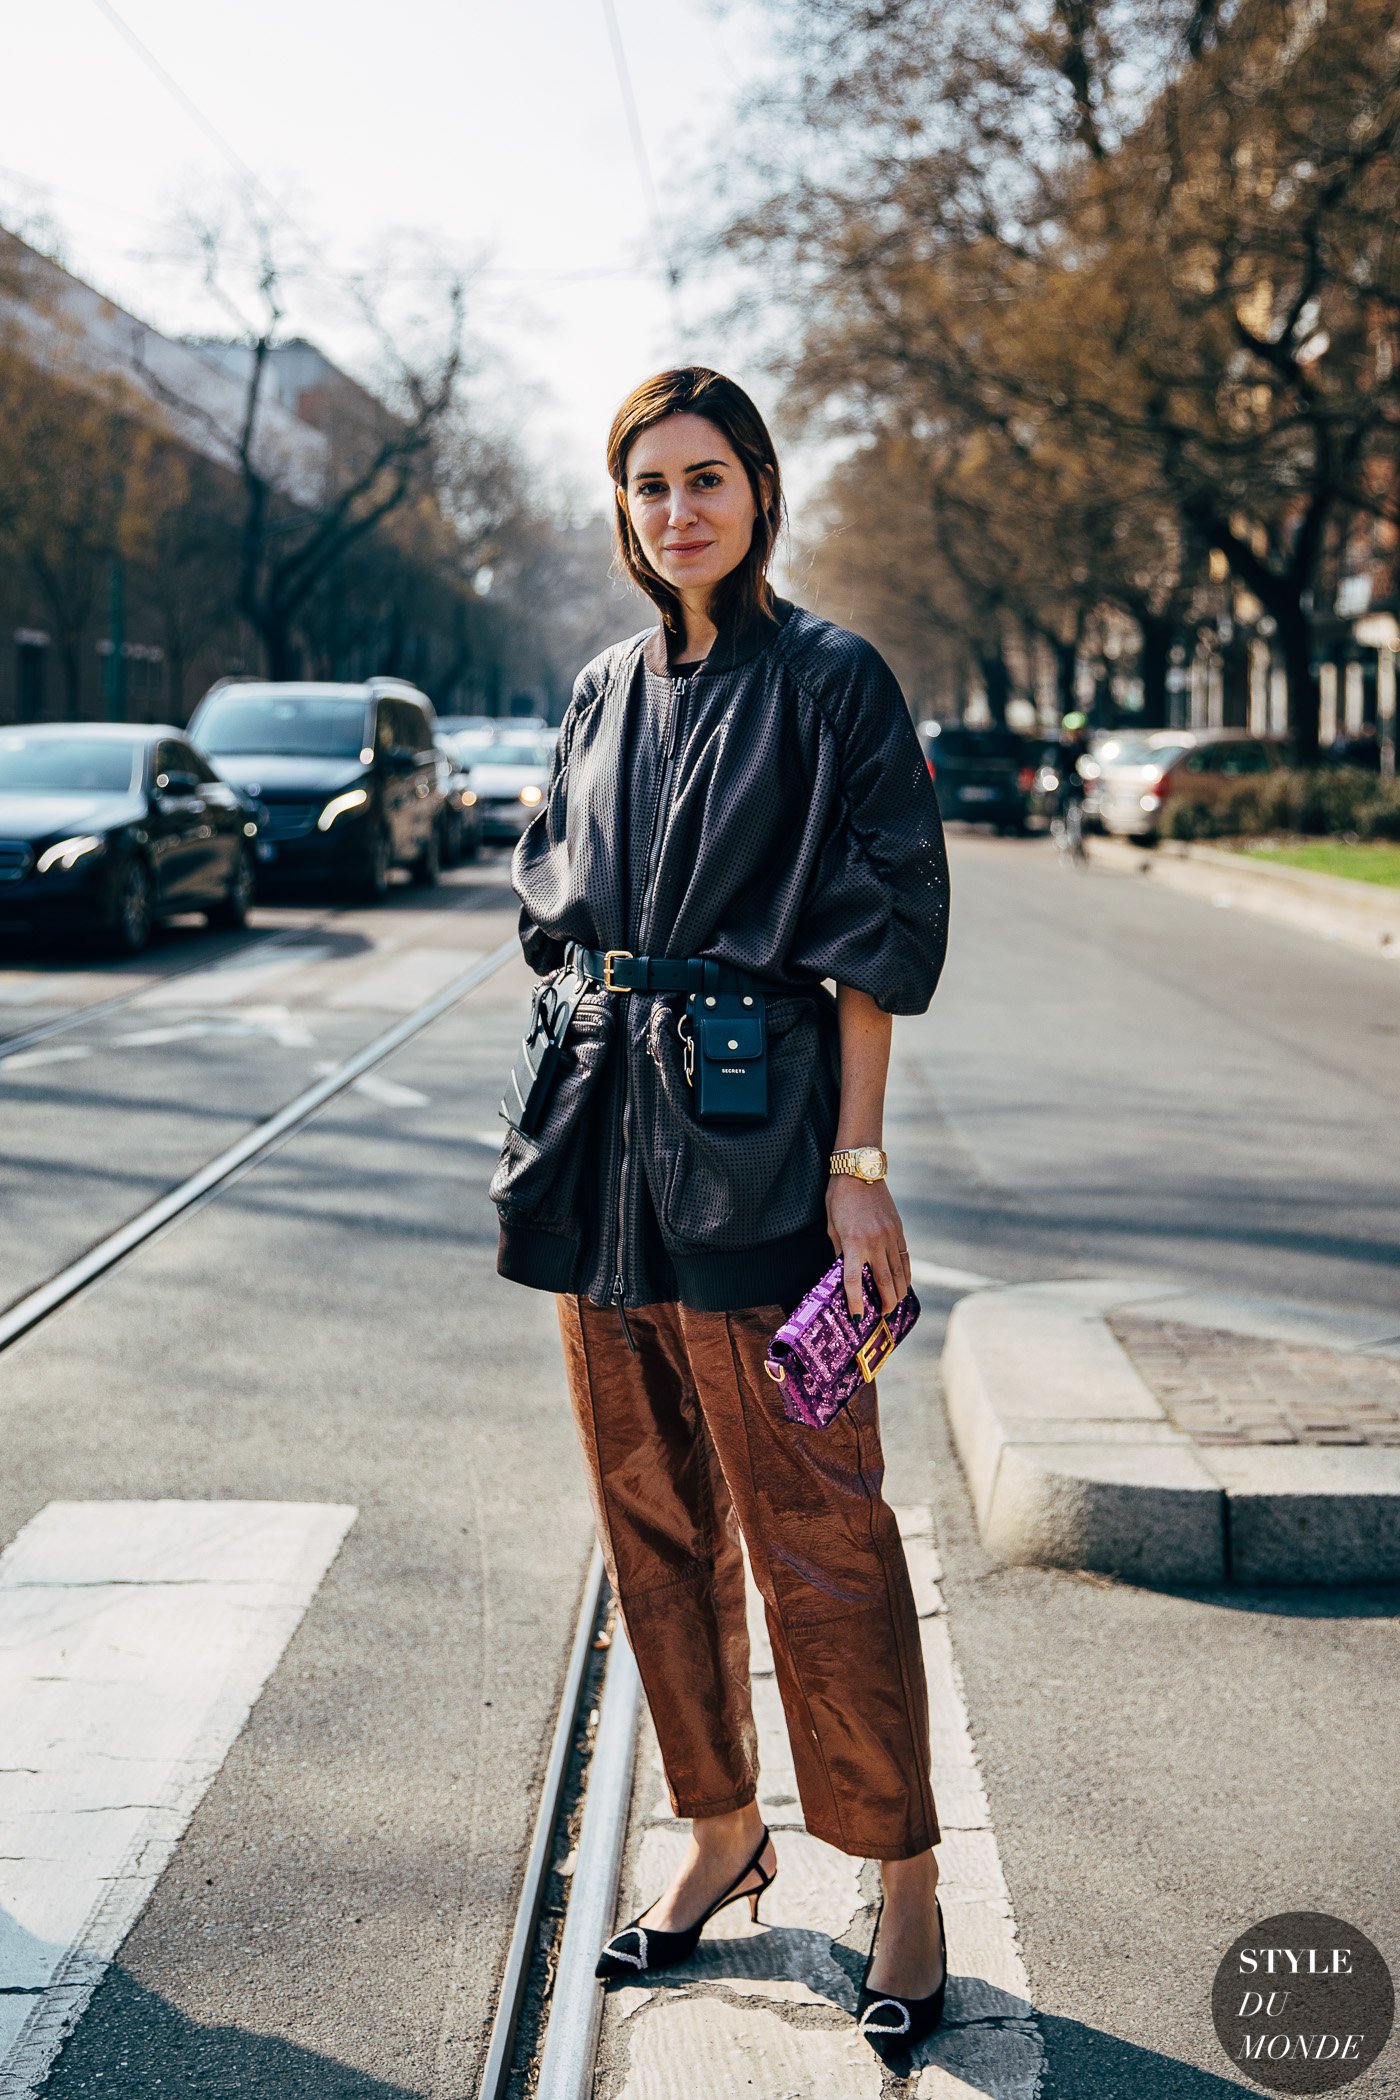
{"points": [[651, 1950], [892, 2025]]}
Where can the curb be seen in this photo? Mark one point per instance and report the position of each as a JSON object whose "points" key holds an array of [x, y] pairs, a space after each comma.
{"points": [[1072, 1462], [1324, 905]]}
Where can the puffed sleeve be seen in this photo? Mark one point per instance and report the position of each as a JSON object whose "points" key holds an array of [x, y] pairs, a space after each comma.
{"points": [[876, 914]]}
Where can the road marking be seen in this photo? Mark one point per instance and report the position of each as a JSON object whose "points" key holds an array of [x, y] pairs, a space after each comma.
{"points": [[398, 986], [991, 2043], [938, 1278], [391, 1092], [135, 1638], [177, 1032], [271, 1021], [255, 1145], [230, 981], [61, 1054], [493, 1139]]}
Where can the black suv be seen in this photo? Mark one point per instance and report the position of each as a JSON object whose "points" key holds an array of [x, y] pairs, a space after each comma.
{"points": [[983, 776], [346, 775]]}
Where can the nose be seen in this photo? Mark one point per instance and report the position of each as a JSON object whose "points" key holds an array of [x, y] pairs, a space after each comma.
{"points": [[682, 511]]}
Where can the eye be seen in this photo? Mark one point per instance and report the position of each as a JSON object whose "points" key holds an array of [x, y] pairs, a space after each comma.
{"points": [[708, 480]]}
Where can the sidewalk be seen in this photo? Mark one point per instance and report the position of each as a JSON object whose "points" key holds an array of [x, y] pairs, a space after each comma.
{"points": [[767, 2010], [1175, 1436], [1358, 914]]}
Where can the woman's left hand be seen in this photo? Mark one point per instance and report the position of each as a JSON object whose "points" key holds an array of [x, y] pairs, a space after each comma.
{"points": [[865, 1227]]}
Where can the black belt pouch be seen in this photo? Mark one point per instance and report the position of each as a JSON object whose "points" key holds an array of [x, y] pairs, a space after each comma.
{"points": [[727, 1057]]}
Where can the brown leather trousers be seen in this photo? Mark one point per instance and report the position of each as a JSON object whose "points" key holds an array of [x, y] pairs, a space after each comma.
{"points": [[682, 1439]]}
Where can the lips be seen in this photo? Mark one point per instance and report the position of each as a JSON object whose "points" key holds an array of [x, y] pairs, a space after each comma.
{"points": [[688, 547]]}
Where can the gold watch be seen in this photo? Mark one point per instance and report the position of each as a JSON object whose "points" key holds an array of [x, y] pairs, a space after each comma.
{"points": [[866, 1162]]}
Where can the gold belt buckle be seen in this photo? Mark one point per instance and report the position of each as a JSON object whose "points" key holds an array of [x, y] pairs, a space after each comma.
{"points": [[874, 1349], [615, 955]]}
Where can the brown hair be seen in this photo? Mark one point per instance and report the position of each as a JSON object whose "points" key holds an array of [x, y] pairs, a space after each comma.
{"points": [[694, 390]]}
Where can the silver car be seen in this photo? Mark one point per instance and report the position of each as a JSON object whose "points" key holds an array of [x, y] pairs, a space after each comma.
{"points": [[1138, 769], [509, 778]]}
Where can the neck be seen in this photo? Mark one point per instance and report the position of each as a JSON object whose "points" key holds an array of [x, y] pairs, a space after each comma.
{"points": [[698, 629]]}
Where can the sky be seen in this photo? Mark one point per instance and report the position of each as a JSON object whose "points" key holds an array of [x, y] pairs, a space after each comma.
{"points": [[413, 137]]}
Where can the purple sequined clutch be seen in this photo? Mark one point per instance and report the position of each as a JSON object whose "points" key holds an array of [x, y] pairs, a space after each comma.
{"points": [[821, 1358]]}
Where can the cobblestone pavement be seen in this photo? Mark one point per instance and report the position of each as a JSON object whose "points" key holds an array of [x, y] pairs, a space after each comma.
{"points": [[1235, 1389]]}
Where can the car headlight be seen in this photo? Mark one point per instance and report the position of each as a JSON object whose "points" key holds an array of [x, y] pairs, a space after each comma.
{"points": [[355, 798], [467, 798], [68, 852], [250, 831], [532, 795]]}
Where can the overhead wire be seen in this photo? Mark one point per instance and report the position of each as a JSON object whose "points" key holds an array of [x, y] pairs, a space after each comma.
{"points": [[251, 179], [642, 159], [254, 183]]}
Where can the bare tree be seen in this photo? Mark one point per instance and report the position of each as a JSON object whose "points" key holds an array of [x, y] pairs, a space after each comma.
{"points": [[380, 455], [1157, 240]]}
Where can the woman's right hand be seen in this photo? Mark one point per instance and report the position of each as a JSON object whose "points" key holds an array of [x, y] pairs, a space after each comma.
{"points": [[865, 1226]]}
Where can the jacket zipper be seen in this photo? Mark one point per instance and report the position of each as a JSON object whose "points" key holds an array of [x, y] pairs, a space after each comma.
{"points": [[660, 818]]}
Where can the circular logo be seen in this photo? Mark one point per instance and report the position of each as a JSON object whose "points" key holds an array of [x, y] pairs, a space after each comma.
{"points": [[1303, 2003]]}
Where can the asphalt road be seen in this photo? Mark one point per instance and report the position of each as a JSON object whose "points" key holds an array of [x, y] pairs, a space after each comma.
{"points": [[1118, 1080], [214, 1034], [1113, 1079]]}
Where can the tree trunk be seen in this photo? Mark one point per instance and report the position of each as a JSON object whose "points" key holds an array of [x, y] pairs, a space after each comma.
{"points": [[1066, 671], [281, 651], [996, 683], [1304, 696], [70, 650], [1155, 657], [175, 681]]}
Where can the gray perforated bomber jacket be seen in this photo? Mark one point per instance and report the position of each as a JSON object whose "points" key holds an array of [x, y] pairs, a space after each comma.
{"points": [[794, 833]]}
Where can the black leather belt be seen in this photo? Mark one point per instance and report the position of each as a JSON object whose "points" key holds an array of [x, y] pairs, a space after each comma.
{"points": [[618, 970]]}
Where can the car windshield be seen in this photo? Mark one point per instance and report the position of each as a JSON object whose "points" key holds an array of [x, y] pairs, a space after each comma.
{"points": [[1139, 749], [64, 765], [281, 725], [964, 746], [510, 755]]}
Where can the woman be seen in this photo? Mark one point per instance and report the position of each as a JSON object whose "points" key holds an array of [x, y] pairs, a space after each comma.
{"points": [[738, 808]]}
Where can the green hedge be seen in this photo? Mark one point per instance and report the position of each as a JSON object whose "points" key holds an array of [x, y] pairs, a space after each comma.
{"points": [[1342, 802]]}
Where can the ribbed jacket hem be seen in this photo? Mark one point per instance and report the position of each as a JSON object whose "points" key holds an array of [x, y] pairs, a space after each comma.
{"points": [[543, 1261], [777, 1273]]}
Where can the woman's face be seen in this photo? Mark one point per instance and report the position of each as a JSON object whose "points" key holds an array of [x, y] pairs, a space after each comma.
{"points": [[690, 503]]}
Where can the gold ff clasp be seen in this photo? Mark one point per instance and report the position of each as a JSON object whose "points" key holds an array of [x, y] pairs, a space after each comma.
{"points": [[615, 955], [874, 1349]]}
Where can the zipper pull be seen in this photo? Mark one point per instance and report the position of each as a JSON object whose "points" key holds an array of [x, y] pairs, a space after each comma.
{"points": [[622, 1313]]}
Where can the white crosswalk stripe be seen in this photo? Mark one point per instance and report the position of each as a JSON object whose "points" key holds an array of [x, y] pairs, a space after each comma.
{"points": [[59, 1054], [231, 981], [135, 1638], [401, 984]]}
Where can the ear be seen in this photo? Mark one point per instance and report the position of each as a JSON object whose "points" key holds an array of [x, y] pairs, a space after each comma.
{"points": [[765, 483]]}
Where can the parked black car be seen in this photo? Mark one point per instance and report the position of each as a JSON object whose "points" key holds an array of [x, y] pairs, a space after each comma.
{"points": [[107, 827], [347, 777], [983, 776]]}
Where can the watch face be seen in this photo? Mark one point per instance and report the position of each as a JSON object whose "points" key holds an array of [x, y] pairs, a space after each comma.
{"points": [[870, 1162]]}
